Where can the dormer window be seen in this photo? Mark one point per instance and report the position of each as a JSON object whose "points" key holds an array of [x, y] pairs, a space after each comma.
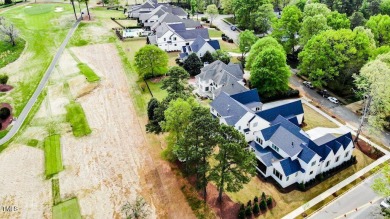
{"points": [[257, 108]]}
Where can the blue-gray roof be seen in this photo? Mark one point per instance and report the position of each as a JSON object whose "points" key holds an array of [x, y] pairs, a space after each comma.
{"points": [[269, 131], [198, 43], [323, 151], [287, 110], [247, 97], [228, 108], [290, 166], [183, 55], [177, 27], [266, 155], [306, 154], [194, 33], [214, 44]]}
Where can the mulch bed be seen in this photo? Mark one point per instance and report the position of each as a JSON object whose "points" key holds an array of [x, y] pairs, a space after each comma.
{"points": [[5, 87], [368, 150], [228, 209], [5, 123]]}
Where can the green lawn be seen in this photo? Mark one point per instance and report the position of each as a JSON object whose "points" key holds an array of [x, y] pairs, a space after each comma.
{"points": [[229, 47], [215, 33], [76, 117], [53, 159], [67, 210], [313, 119], [9, 53], [43, 29], [88, 72]]}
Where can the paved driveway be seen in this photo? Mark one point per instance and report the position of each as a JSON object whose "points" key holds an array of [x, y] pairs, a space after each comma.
{"points": [[359, 197], [224, 27]]}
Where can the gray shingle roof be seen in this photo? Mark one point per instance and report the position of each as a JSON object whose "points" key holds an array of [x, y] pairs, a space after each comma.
{"points": [[193, 33], [218, 72], [231, 87], [266, 155], [228, 108]]}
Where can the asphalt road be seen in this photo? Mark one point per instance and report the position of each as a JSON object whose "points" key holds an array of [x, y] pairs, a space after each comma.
{"points": [[224, 27], [337, 110], [26, 110], [357, 198]]}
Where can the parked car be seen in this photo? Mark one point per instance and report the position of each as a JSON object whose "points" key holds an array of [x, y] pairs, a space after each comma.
{"points": [[386, 203], [308, 84], [333, 100], [233, 28], [323, 93]]}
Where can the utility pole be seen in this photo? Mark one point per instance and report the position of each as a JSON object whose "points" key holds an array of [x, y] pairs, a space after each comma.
{"points": [[364, 116]]}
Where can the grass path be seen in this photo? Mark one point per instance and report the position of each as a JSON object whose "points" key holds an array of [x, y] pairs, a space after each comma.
{"points": [[53, 158], [69, 209], [76, 117]]}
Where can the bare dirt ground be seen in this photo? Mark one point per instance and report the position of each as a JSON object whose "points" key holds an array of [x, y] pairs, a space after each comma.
{"points": [[22, 184], [112, 165]]}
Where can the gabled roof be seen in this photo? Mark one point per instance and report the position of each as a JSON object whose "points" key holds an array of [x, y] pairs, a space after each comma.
{"points": [[306, 154], [179, 11], [157, 11], [266, 155], [194, 33], [290, 109], [290, 166], [214, 44], [334, 142], [198, 43], [231, 87], [269, 131], [177, 27], [167, 18], [247, 97], [231, 110], [323, 151], [218, 72]]}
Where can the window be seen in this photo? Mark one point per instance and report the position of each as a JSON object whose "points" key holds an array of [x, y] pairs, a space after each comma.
{"points": [[327, 163], [206, 88], [314, 163], [175, 44], [218, 115], [239, 127], [174, 38], [287, 178], [337, 158], [296, 174], [275, 148], [277, 174], [252, 149], [165, 39], [346, 155], [259, 140], [257, 108], [311, 172]]}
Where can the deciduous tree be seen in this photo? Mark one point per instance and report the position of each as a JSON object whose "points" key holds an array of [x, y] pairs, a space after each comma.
{"points": [[270, 72], [245, 41], [336, 21], [380, 26], [137, 210], [8, 31], [212, 12], [382, 184], [385, 7], [151, 61], [222, 56], [357, 19], [313, 9], [265, 16], [311, 26], [207, 57], [287, 27], [235, 164], [260, 45]]}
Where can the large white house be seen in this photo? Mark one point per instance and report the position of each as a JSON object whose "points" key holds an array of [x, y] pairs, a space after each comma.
{"points": [[283, 150], [218, 77], [173, 36], [150, 7], [200, 46]]}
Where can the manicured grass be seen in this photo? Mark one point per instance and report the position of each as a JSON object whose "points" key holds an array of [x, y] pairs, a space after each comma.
{"points": [[128, 23], [172, 58], [287, 202], [215, 33], [131, 46], [229, 47], [88, 72], [9, 53], [53, 158], [76, 117], [43, 29], [313, 119], [67, 210]]}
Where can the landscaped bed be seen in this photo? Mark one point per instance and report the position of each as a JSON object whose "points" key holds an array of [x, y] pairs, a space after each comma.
{"points": [[76, 117], [53, 158], [67, 210], [88, 72]]}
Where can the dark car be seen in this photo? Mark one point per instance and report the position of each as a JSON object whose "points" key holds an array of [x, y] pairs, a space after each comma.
{"points": [[323, 93], [233, 28]]}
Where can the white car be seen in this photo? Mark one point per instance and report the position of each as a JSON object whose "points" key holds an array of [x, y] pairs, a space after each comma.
{"points": [[308, 84], [333, 100], [386, 203]]}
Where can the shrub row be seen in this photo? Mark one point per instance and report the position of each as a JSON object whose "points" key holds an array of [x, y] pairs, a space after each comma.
{"points": [[255, 207]]}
